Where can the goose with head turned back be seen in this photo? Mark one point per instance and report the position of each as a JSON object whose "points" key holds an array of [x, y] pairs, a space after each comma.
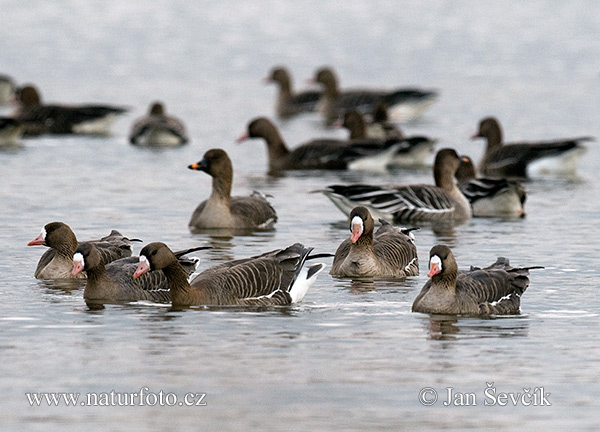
{"points": [[521, 160], [490, 197], [390, 252], [279, 277], [221, 210], [496, 289], [290, 103], [57, 261], [410, 203], [157, 128], [114, 281]]}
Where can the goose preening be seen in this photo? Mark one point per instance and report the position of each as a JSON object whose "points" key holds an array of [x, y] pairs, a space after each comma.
{"points": [[221, 210], [57, 261], [490, 197], [496, 289], [279, 277], [389, 252], [114, 282], [403, 103], [413, 151], [40, 118], [158, 128], [410, 203], [527, 159], [330, 154], [288, 102]]}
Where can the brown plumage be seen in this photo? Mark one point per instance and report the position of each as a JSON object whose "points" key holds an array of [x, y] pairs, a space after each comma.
{"points": [[221, 210], [114, 282], [157, 128], [273, 278], [57, 261], [288, 102], [514, 160], [390, 252], [496, 289], [381, 129]]}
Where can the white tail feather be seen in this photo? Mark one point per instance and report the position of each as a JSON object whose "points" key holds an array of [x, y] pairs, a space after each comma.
{"points": [[303, 281]]}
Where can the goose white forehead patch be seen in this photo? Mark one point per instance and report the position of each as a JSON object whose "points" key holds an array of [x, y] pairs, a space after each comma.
{"points": [[144, 260], [43, 233], [356, 220], [78, 259], [435, 260]]}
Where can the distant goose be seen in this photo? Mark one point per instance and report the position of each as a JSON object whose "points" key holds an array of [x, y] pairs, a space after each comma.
{"points": [[496, 289], [288, 102], [391, 252], [221, 210], [40, 118], [57, 262], [490, 197], [404, 104], [331, 154], [526, 159], [278, 277], [7, 89], [413, 151], [158, 129], [11, 131], [410, 203], [114, 282]]}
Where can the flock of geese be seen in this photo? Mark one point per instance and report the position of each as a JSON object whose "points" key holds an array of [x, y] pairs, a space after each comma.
{"points": [[283, 276]]}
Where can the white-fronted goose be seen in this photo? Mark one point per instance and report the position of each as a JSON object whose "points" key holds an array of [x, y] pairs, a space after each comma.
{"points": [[496, 289], [490, 197], [114, 282], [40, 118], [57, 262], [404, 104], [273, 278], [7, 89], [221, 210], [288, 102], [391, 252], [410, 203], [157, 128], [526, 159], [413, 151], [11, 131], [331, 154]]}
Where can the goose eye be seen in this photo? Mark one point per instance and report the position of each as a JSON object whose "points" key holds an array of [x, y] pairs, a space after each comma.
{"points": [[153, 253]]}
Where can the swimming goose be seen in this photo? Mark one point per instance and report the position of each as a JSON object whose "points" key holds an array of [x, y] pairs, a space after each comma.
{"points": [[288, 102], [496, 289], [11, 131], [7, 89], [278, 277], [114, 282], [391, 252], [221, 210], [526, 159], [404, 104], [410, 203], [413, 151], [57, 262], [158, 128], [40, 118], [490, 197], [332, 154]]}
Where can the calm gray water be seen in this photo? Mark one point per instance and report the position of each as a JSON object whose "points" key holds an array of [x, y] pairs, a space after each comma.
{"points": [[352, 356]]}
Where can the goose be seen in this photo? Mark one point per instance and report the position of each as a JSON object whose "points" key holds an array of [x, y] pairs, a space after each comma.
{"points": [[279, 277], [290, 103], [328, 154], [114, 282], [57, 262], [221, 210], [158, 128], [490, 197], [404, 104], [11, 131], [496, 289], [526, 159], [40, 118], [391, 252], [410, 203], [413, 151]]}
